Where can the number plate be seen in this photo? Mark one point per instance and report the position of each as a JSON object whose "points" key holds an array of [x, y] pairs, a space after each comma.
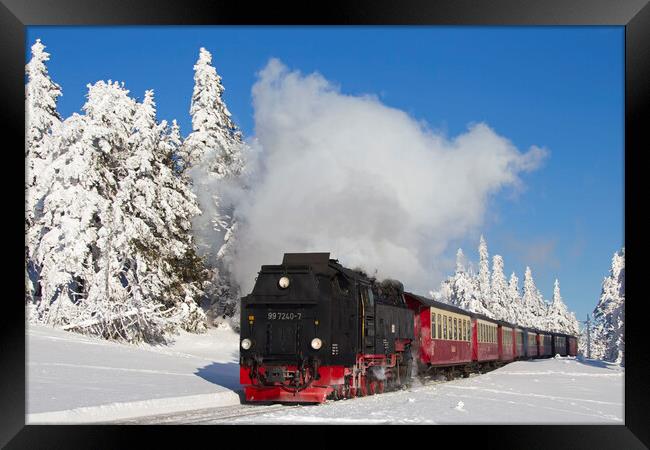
{"points": [[284, 316]]}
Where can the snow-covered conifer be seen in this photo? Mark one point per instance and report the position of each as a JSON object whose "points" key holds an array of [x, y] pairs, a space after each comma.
{"points": [[86, 150], [558, 318], [213, 156], [484, 272], [534, 307], [173, 143], [460, 261], [499, 301], [608, 337], [460, 289], [41, 116], [514, 297], [215, 140]]}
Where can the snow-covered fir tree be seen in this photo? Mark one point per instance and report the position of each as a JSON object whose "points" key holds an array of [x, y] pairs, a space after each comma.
{"points": [[574, 326], [501, 306], [117, 256], [558, 317], [213, 152], [175, 149], [534, 307], [461, 289], [484, 275], [88, 149], [41, 116], [158, 206], [504, 298], [514, 297], [608, 333], [215, 140]]}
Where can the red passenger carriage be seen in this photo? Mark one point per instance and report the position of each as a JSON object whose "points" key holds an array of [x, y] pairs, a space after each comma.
{"points": [[506, 338], [485, 345], [443, 333], [520, 351], [545, 344]]}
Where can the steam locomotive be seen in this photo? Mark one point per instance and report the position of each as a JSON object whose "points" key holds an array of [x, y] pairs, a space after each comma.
{"points": [[312, 329]]}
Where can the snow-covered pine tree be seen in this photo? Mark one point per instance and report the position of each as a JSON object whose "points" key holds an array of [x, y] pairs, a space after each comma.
{"points": [[501, 307], [608, 336], [464, 288], [459, 289], [214, 153], [215, 139], [558, 318], [173, 143], [484, 275], [116, 251], [41, 116], [574, 326], [534, 309], [514, 297], [158, 206], [86, 150]]}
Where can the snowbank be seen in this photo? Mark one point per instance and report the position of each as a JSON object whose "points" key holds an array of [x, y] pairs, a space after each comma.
{"points": [[73, 378], [129, 410]]}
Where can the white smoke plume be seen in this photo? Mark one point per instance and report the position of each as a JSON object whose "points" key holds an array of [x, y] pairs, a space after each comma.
{"points": [[366, 182]]}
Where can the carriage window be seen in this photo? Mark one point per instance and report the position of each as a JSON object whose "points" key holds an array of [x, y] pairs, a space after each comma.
{"points": [[433, 325], [450, 325], [462, 330], [444, 327], [371, 298], [439, 327], [455, 329]]}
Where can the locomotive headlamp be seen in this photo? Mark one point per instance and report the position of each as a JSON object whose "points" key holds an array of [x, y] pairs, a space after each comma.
{"points": [[246, 344], [316, 343], [284, 282]]}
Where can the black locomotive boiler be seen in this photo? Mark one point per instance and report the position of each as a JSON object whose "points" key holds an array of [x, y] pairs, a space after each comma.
{"points": [[313, 329]]}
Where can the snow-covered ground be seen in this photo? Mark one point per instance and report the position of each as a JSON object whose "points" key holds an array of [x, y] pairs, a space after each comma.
{"points": [[72, 378], [551, 391]]}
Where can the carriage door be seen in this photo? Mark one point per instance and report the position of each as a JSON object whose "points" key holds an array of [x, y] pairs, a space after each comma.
{"points": [[367, 315]]}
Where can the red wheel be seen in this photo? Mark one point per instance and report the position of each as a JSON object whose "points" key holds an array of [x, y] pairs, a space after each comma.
{"points": [[372, 387], [380, 387]]}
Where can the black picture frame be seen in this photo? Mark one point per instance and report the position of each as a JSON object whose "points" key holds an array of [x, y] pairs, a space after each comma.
{"points": [[634, 15]]}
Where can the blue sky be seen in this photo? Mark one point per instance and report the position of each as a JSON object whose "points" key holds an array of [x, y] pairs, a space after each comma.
{"points": [[557, 87]]}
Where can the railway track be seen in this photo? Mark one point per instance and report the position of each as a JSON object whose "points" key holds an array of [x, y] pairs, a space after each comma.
{"points": [[207, 416]]}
